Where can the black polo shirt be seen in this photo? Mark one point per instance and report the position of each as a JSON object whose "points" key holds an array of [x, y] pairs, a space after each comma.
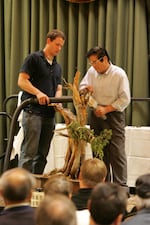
{"points": [[43, 76]]}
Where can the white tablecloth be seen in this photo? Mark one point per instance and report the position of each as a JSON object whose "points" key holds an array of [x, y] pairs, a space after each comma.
{"points": [[58, 150], [137, 146]]}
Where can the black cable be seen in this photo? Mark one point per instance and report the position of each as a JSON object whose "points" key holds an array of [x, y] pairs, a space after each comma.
{"points": [[14, 122]]}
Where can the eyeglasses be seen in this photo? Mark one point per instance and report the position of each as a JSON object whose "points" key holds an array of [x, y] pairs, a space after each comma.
{"points": [[94, 62]]}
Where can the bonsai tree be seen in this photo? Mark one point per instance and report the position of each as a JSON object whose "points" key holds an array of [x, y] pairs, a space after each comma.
{"points": [[78, 134]]}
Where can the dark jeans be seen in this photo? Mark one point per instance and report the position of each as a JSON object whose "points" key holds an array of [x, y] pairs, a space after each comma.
{"points": [[38, 132], [114, 153]]}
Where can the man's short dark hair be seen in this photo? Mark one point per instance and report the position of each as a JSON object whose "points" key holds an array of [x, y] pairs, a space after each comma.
{"points": [[107, 202], [53, 34], [143, 186], [98, 51]]}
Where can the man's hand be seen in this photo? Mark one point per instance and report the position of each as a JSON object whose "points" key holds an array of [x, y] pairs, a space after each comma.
{"points": [[43, 99], [89, 88], [100, 111]]}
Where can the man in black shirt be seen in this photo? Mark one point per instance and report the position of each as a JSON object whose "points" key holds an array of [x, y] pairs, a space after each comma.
{"points": [[92, 172], [40, 77]]}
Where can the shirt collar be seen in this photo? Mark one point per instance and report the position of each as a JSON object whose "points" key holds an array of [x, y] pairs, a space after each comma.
{"points": [[107, 71], [16, 205], [41, 53]]}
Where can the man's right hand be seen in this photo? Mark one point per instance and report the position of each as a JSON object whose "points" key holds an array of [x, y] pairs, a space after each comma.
{"points": [[89, 88], [43, 99]]}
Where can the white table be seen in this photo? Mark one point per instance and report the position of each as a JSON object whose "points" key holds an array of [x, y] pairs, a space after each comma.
{"points": [[57, 153], [137, 146]]}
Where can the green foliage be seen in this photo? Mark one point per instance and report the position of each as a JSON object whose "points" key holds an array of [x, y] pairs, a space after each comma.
{"points": [[99, 142], [76, 131]]}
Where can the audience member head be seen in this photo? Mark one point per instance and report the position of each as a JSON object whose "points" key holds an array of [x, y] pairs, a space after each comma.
{"points": [[56, 209], [107, 204], [143, 191], [16, 186], [92, 171], [58, 184]]}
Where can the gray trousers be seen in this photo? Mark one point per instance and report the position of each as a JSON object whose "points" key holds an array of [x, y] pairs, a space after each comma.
{"points": [[38, 132], [114, 152]]}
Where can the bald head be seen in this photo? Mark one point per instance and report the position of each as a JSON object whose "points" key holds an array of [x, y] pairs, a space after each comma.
{"points": [[16, 185], [56, 209]]}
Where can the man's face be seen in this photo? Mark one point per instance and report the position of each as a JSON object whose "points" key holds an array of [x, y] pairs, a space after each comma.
{"points": [[98, 64], [55, 45]]}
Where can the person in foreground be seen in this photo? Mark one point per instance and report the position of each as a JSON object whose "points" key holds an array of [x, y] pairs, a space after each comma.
{"points": [[92, 172], [142, 199], [40, 77], [58, 184], [56, 209], [16, 187], [109, 86], [107, 204]]}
